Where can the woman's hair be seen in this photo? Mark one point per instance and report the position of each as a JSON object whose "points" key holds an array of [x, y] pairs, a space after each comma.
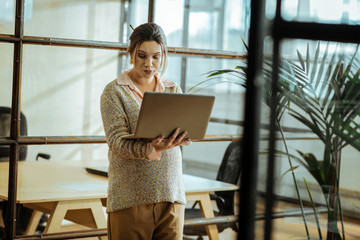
{"points": [[148, 32]]}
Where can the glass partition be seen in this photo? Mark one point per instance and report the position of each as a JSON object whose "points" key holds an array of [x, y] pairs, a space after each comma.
{"points": [[83, 154], [90, 20], [317, 147], [6, 72], [204, 158], [7, 16], [62, 87], [217, 25]]}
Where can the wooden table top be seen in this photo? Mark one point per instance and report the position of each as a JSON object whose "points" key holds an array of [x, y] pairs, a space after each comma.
{"points": [[47, 181], [52, 181]]}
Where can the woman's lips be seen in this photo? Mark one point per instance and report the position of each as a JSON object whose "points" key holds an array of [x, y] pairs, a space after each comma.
{"points": [[148, 71]]}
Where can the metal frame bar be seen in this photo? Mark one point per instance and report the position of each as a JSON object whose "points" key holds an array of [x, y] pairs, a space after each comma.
{"points": [[151, 11], [15, 123], [315, 31], [67, 235], [248, 184], [185, 36], [271, 164], [116, 46], [196, 222]]}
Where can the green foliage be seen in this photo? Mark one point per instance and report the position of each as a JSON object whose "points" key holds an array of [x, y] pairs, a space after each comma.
{"points": [[322, 92]]}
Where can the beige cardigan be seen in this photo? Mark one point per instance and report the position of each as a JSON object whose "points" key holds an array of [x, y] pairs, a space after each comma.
{"points": [[133, 179]]}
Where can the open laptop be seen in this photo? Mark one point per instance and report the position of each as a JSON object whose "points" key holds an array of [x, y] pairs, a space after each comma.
{"points": [[162, 113]]}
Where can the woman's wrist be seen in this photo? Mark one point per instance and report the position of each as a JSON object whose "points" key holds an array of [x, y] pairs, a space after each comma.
{"points": [[151, 152]]}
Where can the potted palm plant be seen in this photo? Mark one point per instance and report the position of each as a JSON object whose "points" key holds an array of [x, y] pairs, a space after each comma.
{"points": [[323, 93], [329, 96]]}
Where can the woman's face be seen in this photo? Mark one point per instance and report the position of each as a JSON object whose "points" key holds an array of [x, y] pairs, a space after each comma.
{"points": [[147, 59]]}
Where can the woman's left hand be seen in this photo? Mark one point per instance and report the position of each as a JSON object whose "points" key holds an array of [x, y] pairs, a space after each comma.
{"points": [[161, 144]]}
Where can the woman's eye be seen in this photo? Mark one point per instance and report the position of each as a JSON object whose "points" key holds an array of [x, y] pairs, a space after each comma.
{"points": [[141, 56]]}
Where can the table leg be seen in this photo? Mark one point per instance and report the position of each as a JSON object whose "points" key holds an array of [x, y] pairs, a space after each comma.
{"points": [[207, 212], [99, 217], [58, 213], [2, 224], [34, 222]]}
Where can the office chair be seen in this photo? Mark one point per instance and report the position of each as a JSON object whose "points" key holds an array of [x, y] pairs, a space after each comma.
{"points": [[5, 114], [229, 171], [23, 214]]}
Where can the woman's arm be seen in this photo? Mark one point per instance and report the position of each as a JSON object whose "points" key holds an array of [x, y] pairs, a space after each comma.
{"points": [[116, 125]]}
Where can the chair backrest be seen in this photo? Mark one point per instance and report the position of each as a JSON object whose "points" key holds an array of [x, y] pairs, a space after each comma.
{"points": [[229, 171], [5, 115], [230, 167]]}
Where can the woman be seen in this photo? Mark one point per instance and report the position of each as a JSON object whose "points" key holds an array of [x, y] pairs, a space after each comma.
{"points": [[146, 195]]}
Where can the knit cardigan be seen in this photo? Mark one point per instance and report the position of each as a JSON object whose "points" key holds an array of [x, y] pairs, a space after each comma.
{"points": [[133, 179]]}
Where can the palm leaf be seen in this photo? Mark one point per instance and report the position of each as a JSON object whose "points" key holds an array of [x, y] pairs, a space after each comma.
{"points": [[246, 46], [207, 84], [314, 127], [315, 65], [351, 93], [289, 170], [308, 60], [322, 66], [324, 79], [215, 73], [306, 104], [332, 92], [349, 132], [301, 60], [317, 169], [314, 209]]}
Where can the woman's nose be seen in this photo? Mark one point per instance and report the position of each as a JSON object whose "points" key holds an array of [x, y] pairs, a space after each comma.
{"points": [[148, 62]]}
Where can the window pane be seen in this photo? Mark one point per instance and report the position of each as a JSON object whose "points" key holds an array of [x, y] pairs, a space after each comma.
{"points": [[7, 16], [139, 12], [84, 154], [173, 68], [6, 72], [346, 12], [62, 86], [226, 87], [217, 24], [6, 75], [90, 20], [170, 16], [229, 96]]}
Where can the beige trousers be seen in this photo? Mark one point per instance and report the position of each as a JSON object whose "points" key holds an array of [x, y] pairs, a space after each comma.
{"points": [[160, 221]]}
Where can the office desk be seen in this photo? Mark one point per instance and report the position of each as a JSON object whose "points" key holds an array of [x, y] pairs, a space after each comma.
{"points": [[60, 189], [66, 191], [198, 189]]}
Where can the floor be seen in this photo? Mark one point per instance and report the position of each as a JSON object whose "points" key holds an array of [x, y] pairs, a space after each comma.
{"points": [[285, 228], [293, 227]]}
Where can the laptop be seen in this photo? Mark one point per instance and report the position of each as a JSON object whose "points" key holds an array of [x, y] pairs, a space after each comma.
{"points": [[101, 170], [161, 113]]}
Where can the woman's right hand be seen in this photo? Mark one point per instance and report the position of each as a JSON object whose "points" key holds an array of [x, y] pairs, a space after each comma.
{"points": [[161, 144]]}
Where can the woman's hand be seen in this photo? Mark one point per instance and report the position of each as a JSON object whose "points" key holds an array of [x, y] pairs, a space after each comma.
{"points": [[161, 144]]}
